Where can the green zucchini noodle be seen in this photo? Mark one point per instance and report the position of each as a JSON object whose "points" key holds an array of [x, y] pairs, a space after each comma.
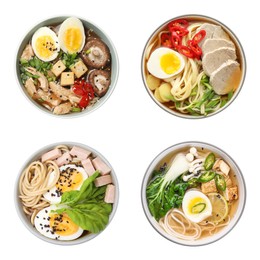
{"points": [[176, 224]]}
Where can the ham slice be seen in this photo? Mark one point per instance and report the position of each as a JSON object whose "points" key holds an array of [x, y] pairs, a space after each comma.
{"points": [[79, 152], [110, 194], [103, 180], [51, 155], [64, 159], [88, 166], [101, 166]]}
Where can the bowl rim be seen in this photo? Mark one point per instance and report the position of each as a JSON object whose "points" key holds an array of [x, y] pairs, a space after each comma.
{"points": [[243, 58], [18, 205], [103, 99], [153, 222]]}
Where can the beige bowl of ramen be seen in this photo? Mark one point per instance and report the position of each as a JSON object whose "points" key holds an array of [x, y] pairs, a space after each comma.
{"points": [[66, 193], [193, 193], [193, 66]]}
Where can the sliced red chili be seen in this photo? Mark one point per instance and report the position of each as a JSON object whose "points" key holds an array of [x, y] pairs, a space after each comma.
{"points": [[89, 90], [180, 30], [178, 22], [195, 48], [77, 89], [166, 40], [84, 101], [186, 51], [199, 36], [176, 40]]}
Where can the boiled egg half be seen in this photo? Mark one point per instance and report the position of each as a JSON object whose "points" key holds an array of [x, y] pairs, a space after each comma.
{"points": [[56, 226], [71, 35], [45, 44], [196, 206], [71, 178], [165, 63]]}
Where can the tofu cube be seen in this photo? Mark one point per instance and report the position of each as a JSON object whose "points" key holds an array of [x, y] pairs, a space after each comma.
{"points": [[58, 68], [67, 78], [79, 68], [209, 187], [228, 181], [224, 167], [231, 193]]}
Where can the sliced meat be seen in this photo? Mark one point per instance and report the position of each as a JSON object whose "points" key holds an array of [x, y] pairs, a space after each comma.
{"points": [[64, 159], [43, 82], [215, 43], [80, 152], [51, 155], [213, 60], [101, 166], [103, 180], [100, 80], [212, 31], [110, 194], [50, 98], [61, 92], [74, 99], [226, 78], [88, 166], [95, 54], [209, 187], [27, 52], [231, 193], [62, 109], [30, 87]]}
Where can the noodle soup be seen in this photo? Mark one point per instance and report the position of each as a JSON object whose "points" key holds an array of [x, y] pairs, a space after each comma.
{"points": [[193, 66], [193, 193], [66, 193]]}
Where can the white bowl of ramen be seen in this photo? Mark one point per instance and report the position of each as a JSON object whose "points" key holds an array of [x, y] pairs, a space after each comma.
{"points": [[71, 167], [213, 62], [66, 66], [188, 204]]}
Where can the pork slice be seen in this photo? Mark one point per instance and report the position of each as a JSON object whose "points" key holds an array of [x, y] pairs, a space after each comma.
{"points": [[216, 43], [226, 77], [101, 166], [80, 152], [213, 60], [64, 159], [51, 99], [88, 166], [30, 87], [27, 52], [103, 180], [62, 109], [60, 91], [212, 31], [51, 155], [110, 194]]}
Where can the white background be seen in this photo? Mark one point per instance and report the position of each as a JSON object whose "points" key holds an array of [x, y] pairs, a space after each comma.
{"points": [[129, 129]]}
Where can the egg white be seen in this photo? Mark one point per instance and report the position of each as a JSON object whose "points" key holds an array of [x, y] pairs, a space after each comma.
{"points": [[53, 195], [71, 22], [154, 67], [45, 31], [42, 224], [198, 217]]}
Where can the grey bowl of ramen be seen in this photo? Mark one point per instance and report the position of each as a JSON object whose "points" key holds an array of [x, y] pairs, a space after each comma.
{"points": [[66, 193], [67, 66], [193, 193], [193, 66]]}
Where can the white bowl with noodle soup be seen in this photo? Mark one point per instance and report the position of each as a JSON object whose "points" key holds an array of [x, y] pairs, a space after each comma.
{"points": [[205, 79], [188, 204], [62, 169]]}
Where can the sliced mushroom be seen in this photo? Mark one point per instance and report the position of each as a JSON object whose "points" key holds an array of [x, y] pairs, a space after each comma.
{"points": [[95, 54], [41, 78], [100, 80], [27, 52]]}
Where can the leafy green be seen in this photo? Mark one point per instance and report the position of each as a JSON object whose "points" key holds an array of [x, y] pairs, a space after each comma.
{"points": [[86, 207], [160, 201], [69, 59]]}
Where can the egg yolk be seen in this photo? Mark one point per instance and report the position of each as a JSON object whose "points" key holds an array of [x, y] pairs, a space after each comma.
{"points": [[196, 205], [45, 46], [72, 39], [61, 224], [170, 63], [70, 179]]}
